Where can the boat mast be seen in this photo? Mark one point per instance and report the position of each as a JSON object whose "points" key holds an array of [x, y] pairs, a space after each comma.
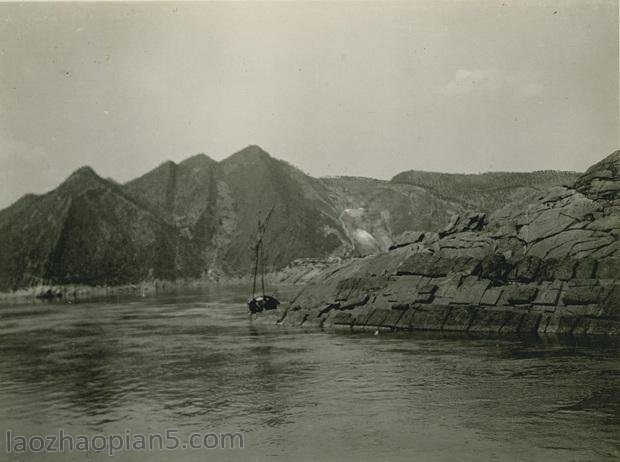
{"points": [[256, 248], [262, 266], [259, 253]]}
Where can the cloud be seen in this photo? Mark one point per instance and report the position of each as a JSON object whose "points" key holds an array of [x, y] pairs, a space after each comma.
{"points": [[485, 81], [530, 90], [471, 80]]}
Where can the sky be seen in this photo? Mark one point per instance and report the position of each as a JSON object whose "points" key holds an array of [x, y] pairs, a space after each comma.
{"points": [[365, 89]]}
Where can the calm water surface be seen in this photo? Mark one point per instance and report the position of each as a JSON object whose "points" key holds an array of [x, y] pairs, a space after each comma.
{"points": [[196, 363]]}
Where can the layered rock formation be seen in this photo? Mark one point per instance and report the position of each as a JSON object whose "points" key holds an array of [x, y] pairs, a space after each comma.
{"points": [[547, 263]]}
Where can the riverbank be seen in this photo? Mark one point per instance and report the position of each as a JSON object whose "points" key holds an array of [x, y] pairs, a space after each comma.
{"points": [[426, 292], [297, 273]]}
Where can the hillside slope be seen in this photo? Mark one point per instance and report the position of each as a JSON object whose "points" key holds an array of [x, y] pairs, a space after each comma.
{"points": [[217, 205], [303, 224], [86, 230], [376, 213]]}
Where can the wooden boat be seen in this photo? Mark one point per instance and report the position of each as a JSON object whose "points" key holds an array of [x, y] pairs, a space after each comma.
{"points": [[261, 302]]}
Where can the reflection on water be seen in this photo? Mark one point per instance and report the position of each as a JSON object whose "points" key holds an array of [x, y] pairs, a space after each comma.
{"points": [[197, 364]]}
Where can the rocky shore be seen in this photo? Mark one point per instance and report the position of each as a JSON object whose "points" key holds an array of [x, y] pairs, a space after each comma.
{"points": [[546, 264]]}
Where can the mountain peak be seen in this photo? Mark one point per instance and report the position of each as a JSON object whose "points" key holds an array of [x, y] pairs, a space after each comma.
{"points": [[248, 155], [84, 171], [197, 160], [252, 150], [83, 177]]}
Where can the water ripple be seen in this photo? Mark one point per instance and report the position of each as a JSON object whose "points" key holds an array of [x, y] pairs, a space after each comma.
{"points": [[192, 363]]}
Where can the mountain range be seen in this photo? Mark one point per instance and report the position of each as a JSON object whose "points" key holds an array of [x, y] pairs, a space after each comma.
{"points": [[198, 218]]}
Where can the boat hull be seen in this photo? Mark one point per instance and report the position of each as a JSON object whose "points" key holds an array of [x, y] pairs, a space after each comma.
{"points": [[264, 303]]}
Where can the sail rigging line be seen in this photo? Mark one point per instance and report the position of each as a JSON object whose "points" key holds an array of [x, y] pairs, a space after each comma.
{"points": [[255, 268], [262, 264], [262, 226], [264, 302], [262, 259]]}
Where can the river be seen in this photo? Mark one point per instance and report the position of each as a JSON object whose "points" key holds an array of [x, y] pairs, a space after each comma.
{"points": [[195, 363]]}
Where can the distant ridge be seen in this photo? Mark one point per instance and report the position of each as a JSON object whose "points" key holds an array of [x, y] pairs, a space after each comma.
{"points": [[480, 190]]}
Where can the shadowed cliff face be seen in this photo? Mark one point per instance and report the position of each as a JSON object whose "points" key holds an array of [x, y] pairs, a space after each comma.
{"points": [[181, 193], [218, 205], [303, 223], [87, 230], [546, 263], [199, 218]]}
